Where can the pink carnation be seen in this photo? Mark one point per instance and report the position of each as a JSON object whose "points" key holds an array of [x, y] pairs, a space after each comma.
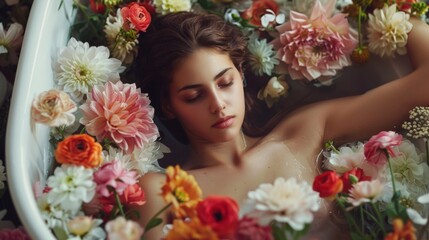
{"points": [[249, 228], [376, 147], [315, 46], [112, 174], [121, 113]]}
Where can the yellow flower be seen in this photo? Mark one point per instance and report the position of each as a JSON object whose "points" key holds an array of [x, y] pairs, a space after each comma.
{"points": [[171, 6], [401, 231], [193, 229], [182, 191]]}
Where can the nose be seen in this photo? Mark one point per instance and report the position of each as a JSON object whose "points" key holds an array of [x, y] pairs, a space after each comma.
{"points": [[217, 103]]}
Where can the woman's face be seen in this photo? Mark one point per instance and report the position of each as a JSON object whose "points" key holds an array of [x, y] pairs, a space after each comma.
{"points": [[207, 97]]}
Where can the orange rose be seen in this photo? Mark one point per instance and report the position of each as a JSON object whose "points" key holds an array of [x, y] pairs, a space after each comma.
{"points": [[135, 17], [259, 9], [328, 184], [192, 229], [79, 149], [401, 231]]}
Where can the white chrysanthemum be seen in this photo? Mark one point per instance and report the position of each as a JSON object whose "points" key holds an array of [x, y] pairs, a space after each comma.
{"points": [[79, 67], [54, 216], [365, 191], [171, 6], [2, 175], [70, 186], [85, 228], [122, 48], [388, 31], [286, 201], [262, 57]]}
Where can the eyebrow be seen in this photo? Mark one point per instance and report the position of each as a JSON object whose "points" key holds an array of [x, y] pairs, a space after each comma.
{"points": [[220, 74]]}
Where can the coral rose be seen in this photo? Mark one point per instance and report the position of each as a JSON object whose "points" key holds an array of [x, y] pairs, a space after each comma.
{"points": [[79, 149], [220, 213], [258, 9], [133, 195], [376, 147], [328, 184], [135, 17]]}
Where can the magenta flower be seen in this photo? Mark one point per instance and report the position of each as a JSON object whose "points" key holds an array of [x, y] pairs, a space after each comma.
{"points": [[114, 175], [375, 148], [315, 46], [121, 113]]}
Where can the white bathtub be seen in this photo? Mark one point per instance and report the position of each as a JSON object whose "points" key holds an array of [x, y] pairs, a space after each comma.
{"points": [[28, 154]]}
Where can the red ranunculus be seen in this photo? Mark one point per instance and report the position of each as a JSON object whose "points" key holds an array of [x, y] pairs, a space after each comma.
{"points": [[358, 173], [97, 6], [328, 184], [220, 213], [374, 149], [133, 195], [259, 9], [136, 16]]}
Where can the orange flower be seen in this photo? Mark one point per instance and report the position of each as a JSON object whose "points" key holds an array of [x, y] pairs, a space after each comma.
{"points": [[401, 231], [80, 149], [193, 229], [328, 185], [182, 191]]}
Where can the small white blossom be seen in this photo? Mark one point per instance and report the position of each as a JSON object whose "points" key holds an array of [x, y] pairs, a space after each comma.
{"points": [[171, 6], [286, 201], [10, 40], [275, 88], [271, 17], [54, 216], [70, 186], [85, 228], [120, 228], [262, 56], [365, 191], [388, 31], [79, 67], [233, 16]]}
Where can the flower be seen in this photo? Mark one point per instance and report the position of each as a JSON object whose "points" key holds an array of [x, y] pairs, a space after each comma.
{"points": [[258, 9], [70, 186], [328, 184], [170, 6], [135, 17], [418, 126], [53, 215], [53, 108], [145, 159], [79, 149], [388, 31], [401, 231], [275, 88], [285, 201], [249, 228], [79, 67], [365, 191], [16, 233], [112, 174], [97, 6], [84, 227], [261, 56], [123, 45], [181, 190], [315, 46], [192, 229], [351, 177], [122, 229], [133, 195], [121, 113], [232, 16], [10, 40], [374, 149], [220, 213]]}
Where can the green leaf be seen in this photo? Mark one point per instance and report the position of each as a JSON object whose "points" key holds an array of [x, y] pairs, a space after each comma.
{"points": [[59, 233], [277, 232], [152, 223]]}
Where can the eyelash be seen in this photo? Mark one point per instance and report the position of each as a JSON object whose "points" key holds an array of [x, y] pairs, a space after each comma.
{"points": [[196, 97]]}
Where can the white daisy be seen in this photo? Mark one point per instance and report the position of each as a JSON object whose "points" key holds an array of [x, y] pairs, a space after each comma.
{"points": [[70, 186], [388, 31], [123, 46], [262, 57], [286, 201], [79, 67], [171, 6]]}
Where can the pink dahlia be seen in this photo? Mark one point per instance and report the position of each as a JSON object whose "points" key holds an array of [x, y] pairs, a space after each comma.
{"points": [[113, 175], [315, 46], [121, 113]]}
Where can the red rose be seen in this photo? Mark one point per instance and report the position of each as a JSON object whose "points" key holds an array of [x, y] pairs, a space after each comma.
{"points": [[357, 173], [259, 9], [97, 6], [220, 213], [135, 17], [374, 149], [328, 184]]}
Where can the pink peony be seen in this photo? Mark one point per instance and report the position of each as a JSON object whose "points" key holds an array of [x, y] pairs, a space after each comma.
{"points": [[249, 228], [114, 175], [121, 113], [315, 46], [14, 234], [376, 147]]}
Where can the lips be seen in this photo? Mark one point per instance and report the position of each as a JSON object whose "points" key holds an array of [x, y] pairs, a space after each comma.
{"points": [[224, 122]]}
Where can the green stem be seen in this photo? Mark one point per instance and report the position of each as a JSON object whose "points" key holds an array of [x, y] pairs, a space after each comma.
{"points": [[361, 218], [360, 27], [158, 213], [427, 151], [380, 218], [118, 202], [395, 196], [349, 219]]}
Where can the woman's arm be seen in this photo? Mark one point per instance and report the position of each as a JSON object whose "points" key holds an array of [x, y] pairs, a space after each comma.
{"points": [[384, 107]]}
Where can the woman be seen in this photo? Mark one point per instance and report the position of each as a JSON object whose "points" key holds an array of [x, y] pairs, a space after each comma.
{"points": [[193, 68]]}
